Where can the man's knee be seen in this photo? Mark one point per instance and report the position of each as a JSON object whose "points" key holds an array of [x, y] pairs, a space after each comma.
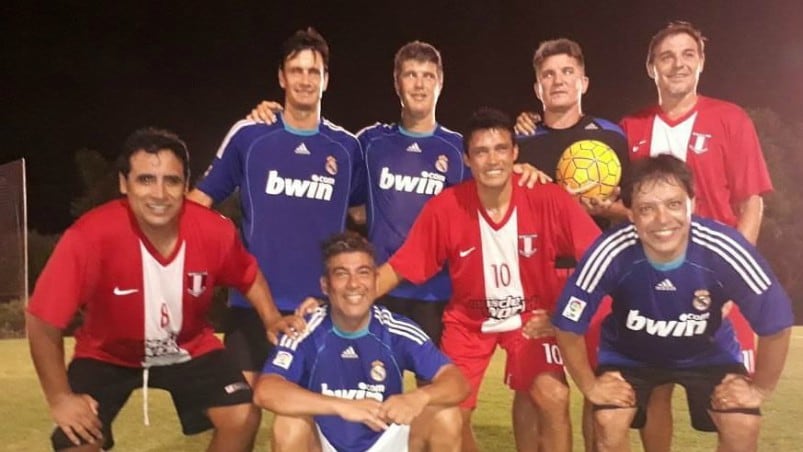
{"points": [[293, 433], [611, 427], [550, 393], [437, 429], [243, 418], [738, 431]]}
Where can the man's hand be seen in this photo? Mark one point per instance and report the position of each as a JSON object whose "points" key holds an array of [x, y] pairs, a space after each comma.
{"points": [[404, 408], [530, 175], [611, 388], [308, 306], [266, 112], [737, 391], [290, 325], [526, 121], [599, 206], [365, 411], [77, 416], [538, 325]]}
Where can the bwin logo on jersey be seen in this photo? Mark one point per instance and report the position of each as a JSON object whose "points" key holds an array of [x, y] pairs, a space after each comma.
{"points": [[317, 187], [686, 325], [364, 391], [429, 183]]}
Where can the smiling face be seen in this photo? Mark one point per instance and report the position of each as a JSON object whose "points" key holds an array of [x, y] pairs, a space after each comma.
{"points": [[304, 78], [350, 284], [661, 211], [155, 188], [418, 85], [676, 65], [560, 83], [491, 154]]}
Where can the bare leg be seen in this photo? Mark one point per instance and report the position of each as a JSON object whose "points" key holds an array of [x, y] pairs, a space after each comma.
{"points": [[291, 434], [656, 436], [550, 394], [469, 443], [437, 430], [738, 432], [611, 428], [525, 422], [588, 427], [235, 428]]}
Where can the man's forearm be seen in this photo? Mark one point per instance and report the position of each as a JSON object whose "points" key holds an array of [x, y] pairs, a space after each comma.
{"points": [[750, 213], [280, 396], [448, 388], [771, 354], [260, 297], [387, 279], [47, 352], [575, 358]]}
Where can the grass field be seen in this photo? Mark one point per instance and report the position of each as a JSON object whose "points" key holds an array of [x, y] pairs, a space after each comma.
{"points": [[26, 424]]}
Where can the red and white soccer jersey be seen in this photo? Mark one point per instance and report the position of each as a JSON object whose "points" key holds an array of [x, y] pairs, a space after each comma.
{"points": [[718, 141], [498, 270], [139, 307]]}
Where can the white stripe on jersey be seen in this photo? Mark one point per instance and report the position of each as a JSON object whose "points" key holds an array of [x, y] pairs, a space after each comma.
{"points": [[597, 264], [400, 327], [734, 254], [336, 127], [163, 297], [500, 259], [313, 322], [234, 129]]}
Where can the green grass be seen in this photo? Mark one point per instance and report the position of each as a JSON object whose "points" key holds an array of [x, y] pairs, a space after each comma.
{"points": [[26, 423]]}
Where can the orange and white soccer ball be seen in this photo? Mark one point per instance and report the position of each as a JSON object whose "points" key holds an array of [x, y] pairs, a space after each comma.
{"points": [[589, 169]]}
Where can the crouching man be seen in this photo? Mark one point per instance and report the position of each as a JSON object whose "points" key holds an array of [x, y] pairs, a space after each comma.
{"points": [[339, 386]]}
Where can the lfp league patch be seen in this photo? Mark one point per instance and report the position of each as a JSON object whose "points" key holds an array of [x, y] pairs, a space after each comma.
{"points": [[574, 309], [283, 360]]}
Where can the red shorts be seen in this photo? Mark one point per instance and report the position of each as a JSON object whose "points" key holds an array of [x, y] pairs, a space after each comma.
{"points": [[471, 351]]}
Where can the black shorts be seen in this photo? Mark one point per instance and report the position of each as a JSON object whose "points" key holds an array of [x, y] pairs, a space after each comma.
{"points": [[208, 381], [427, 314], [245, 338], [699, 383]]}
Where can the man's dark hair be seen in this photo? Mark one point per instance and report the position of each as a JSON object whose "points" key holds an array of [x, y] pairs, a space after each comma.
{"points": [[301, 40], [487, 118], [153, 140], [554, 47], [675, 28], [345, 242], [664, 167], [418, 51]]}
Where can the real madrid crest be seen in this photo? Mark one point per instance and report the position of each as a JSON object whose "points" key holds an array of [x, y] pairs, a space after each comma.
{"points": [[702, 300], [331, 165], [442, 164], [378, 372]]}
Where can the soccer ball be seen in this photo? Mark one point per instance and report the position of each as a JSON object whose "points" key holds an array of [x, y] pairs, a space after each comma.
{"points": [[589, 169]]}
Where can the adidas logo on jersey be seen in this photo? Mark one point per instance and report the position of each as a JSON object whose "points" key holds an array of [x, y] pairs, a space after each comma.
{"points": [[317, 187], [666, 286], [349, 353], [428, 183], [686, 325], [591, 126], [414, 148], [302, 150]]}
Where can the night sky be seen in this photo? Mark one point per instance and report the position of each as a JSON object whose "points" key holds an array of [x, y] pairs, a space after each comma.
{"points": [[85, 76]]}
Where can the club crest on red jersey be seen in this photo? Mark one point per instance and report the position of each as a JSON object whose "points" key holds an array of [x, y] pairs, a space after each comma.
{"points": [[527, 244], [196, 283], [698, 142]]}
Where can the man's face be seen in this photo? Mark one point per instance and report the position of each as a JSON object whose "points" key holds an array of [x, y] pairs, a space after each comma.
{"points": [[155, 188], [661, 210], [491, 154], [676, 66], [350, 283], [560, 83], [304, 80], [418, 85]]}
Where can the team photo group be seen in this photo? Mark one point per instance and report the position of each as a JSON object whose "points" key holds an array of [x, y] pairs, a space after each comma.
{"points": [[616, 257]]}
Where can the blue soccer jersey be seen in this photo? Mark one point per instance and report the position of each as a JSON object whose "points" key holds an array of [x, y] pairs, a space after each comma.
{"points": [[404, 170], [671, 315], [366, 364], [295, 190]]}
